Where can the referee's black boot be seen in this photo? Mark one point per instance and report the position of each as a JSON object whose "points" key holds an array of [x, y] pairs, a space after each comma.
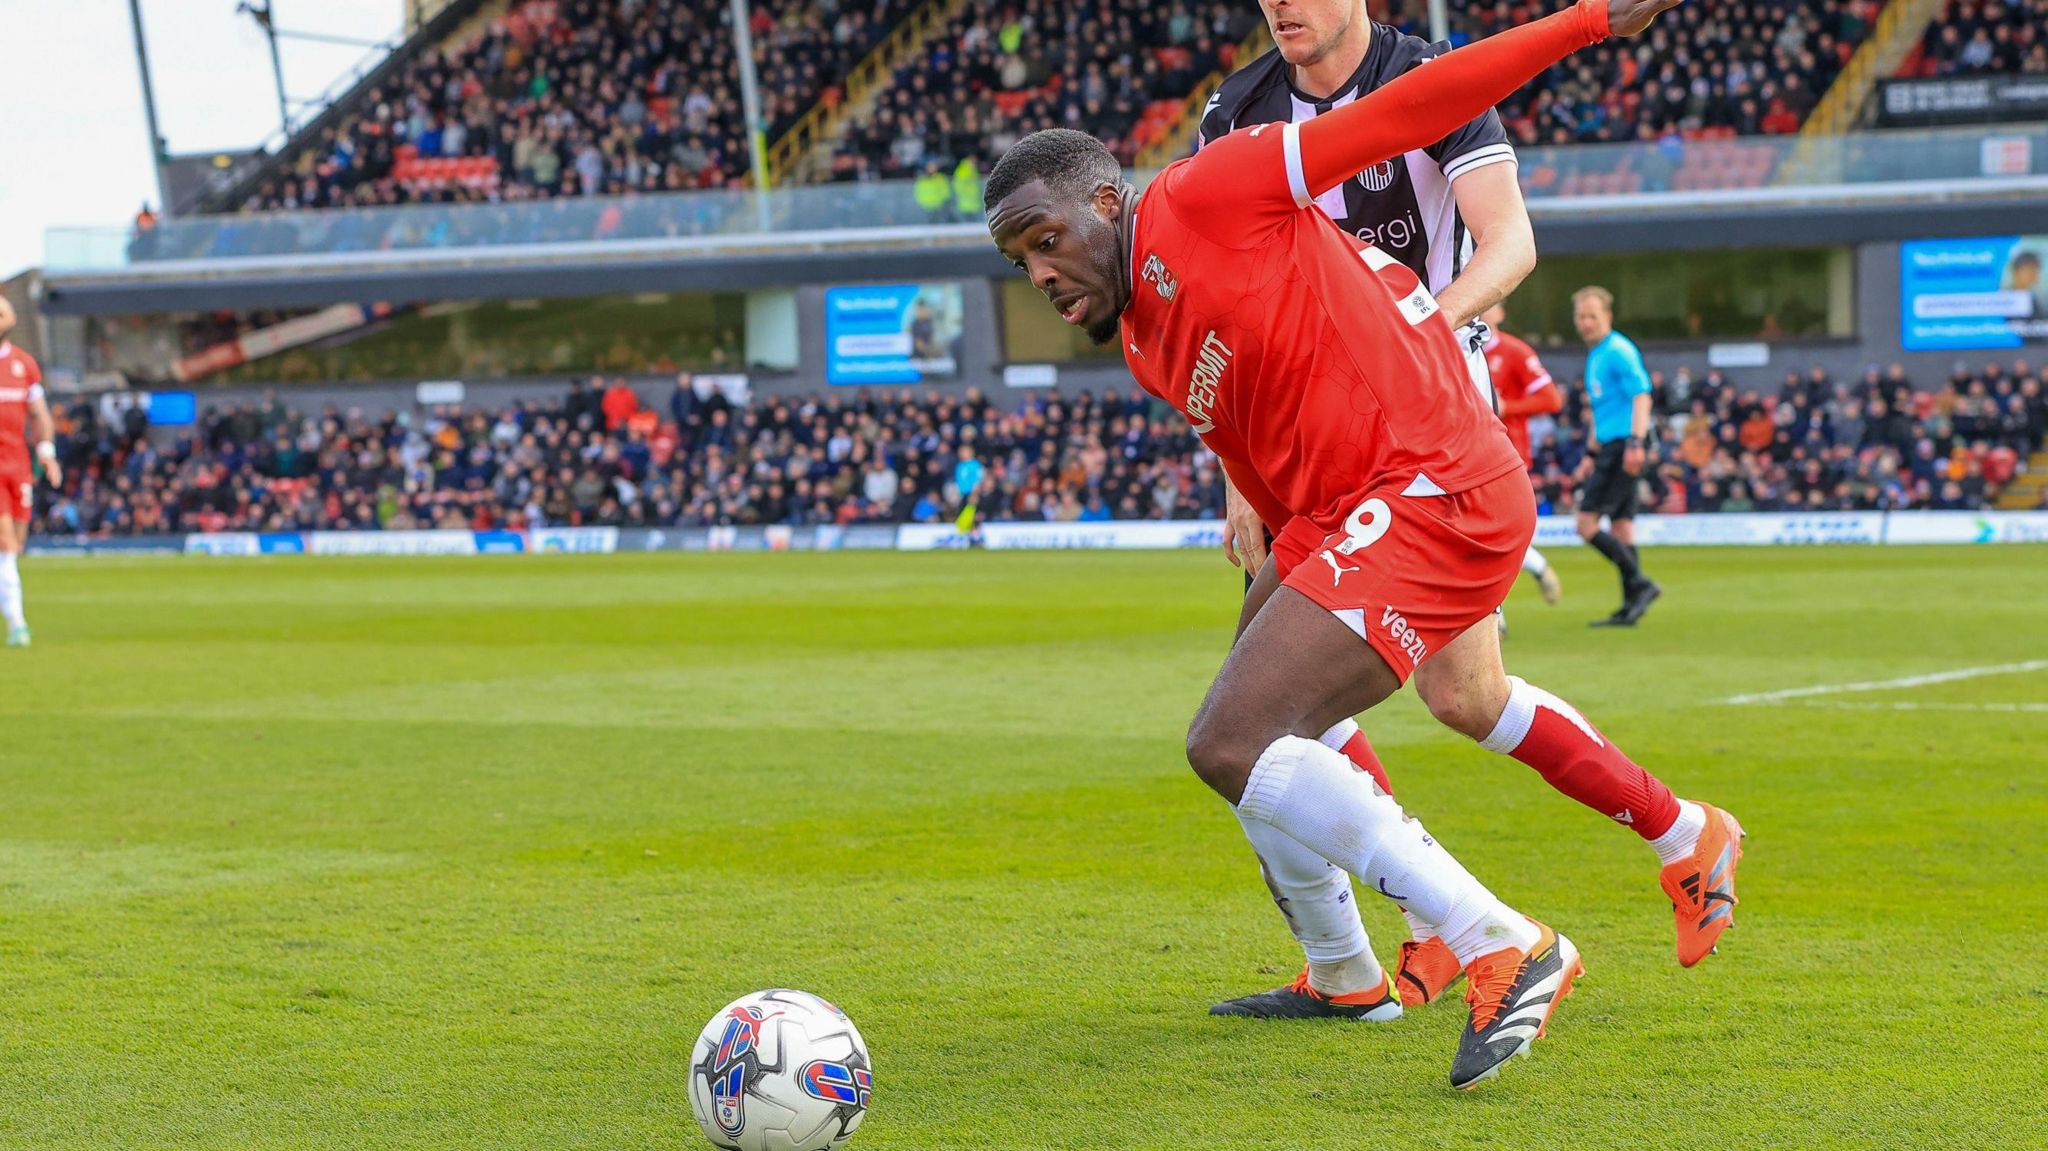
{"points": [[1639, 603]]}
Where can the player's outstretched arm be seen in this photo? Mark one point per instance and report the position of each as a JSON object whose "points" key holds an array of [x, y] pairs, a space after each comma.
{"points": [[1431, 102]]}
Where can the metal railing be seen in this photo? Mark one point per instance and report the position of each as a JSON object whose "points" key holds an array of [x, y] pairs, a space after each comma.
{"points": [[1899, 26]]}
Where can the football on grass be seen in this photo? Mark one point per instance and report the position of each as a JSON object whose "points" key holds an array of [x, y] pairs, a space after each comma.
{"points": [[779, 1071]]}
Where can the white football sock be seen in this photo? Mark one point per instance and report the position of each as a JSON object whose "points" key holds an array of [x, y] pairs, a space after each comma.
{"points": [[1314, 795], [1341, 734], [1684, 835], [10, 591], [1316, 900], [1534, 563], [1335, 739]]}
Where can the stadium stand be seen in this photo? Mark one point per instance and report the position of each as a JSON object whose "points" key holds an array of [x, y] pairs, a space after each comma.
{"points": [[804, 52], [1975, 37], [556, 97], [600, 456], [1000, 70], [566, 97], [1819, 444], [559, 97], [1714, 70]]}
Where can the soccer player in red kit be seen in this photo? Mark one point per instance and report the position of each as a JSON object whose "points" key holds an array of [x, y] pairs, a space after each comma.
{"points": [[1405, 508], [1523, 387], [21, 402]]}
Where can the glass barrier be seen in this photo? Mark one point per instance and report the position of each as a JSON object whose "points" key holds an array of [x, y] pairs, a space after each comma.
{"points": [[1552, 177]]}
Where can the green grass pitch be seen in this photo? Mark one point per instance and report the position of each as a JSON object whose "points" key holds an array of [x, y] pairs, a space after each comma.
{"points": [[306, 853]]}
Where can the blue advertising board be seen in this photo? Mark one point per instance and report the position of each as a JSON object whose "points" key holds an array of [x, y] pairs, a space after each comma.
{"points": [[892, 334], [173, 409], [1973, 294]]}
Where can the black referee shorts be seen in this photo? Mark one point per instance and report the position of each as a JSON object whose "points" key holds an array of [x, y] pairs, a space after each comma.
{"points": [[1611, 491]]}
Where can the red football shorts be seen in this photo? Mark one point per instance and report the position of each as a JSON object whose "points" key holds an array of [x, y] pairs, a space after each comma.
{"points": [[1410, 573], [17, 496]]}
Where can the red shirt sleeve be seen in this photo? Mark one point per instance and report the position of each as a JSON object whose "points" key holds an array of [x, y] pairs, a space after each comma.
{"points": [[1236, 190]]}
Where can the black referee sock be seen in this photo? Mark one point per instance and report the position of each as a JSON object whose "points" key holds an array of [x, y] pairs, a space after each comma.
{"points": [[1620, 555]]}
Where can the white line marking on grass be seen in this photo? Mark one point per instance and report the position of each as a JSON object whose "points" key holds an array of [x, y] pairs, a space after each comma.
{"points": [[1888, 684], [1908, 705]]}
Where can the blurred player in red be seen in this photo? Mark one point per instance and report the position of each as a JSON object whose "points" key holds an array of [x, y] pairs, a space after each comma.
{"points": [[21, 403], [1523, 387], [1405, 506]]}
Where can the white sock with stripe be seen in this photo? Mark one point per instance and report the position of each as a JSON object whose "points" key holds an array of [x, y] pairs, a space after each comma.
{"points": [[1534, 563]]}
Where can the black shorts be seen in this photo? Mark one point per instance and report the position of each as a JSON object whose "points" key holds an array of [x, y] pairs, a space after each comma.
{"points": [[1611, 491]]}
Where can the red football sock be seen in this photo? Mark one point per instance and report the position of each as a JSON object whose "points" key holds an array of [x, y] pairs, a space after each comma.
{"points": [[1364, 758], [1572, 756], [1349, 741]]}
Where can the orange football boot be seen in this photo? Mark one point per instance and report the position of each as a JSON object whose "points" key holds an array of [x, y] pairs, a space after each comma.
{"points": [[1702, 887], [1427, 970]]}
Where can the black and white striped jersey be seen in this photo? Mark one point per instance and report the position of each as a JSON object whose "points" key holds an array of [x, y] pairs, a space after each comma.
{"points": [[1404, 206]]}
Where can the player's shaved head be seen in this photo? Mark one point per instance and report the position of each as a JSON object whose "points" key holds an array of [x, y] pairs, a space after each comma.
{"points": [[1072, 165], [1056, 208]]}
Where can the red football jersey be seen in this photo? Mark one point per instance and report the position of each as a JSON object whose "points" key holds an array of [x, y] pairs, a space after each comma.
{"points": [[1314, 365], [20, 381], [1524, 387]]}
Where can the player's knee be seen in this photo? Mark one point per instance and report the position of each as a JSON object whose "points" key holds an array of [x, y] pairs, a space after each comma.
{"points": [[1220, 756], [1455, 707]]}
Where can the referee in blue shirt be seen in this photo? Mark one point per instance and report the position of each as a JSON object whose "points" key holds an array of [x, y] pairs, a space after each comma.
{"points": [[1618, 392]]}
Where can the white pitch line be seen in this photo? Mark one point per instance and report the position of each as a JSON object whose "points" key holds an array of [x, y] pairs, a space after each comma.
{"points": [[1888, 684], [1908, 705]]}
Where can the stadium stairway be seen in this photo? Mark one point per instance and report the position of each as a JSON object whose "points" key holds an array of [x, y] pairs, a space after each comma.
{"points": [[1842, 108], [804, 153], [1173, 125], [2024, 493]]}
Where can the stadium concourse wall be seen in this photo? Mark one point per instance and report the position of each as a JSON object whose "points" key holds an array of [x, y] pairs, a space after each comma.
{"points": [[1728, 530]]}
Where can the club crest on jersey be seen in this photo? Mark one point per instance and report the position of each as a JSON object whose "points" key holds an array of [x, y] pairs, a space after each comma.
{"points": [[1157, 274], [1377, 178]]}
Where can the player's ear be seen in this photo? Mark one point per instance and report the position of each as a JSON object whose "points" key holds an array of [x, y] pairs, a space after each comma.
{"points": [[1108, 202]]}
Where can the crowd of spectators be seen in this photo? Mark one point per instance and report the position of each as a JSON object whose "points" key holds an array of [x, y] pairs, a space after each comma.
{"points": [[566, 97], [581, 97], [1974, 37], [558, 98], [1005, 68], [803, 54], [1819, 444], [602, 455], [1740, 67]]}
